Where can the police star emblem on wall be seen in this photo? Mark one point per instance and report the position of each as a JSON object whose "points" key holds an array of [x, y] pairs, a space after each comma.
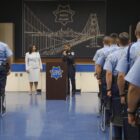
{"points": [[56, 72], [64, 14]]}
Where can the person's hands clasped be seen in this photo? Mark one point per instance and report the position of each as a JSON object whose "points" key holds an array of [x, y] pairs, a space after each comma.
{"points": [[9, 72], [109, 94], [123, 100], [99, 81], [64, 53], [132, 119]]}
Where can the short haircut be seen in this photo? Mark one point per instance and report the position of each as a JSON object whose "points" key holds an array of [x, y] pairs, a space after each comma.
{"points": [[106, 40], [114, 35], [124, 38]]}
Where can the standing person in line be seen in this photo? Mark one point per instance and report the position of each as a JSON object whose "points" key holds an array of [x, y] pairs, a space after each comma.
{"points": [[112, 88], [101, 73], [123, 67], [33, 65], [133, 97], [5, 62]]}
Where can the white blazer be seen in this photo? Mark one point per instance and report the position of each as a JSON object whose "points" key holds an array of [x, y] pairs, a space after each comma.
{"points": [[33, 61]]}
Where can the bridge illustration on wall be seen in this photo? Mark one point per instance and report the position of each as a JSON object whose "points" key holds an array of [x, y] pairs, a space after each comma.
{"points": [[50, 43]]}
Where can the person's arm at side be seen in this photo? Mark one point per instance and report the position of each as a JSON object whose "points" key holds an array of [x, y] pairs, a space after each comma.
{"points": [[98, 71], [99, 66], [9, 60], [122, 68], [96, 56], [109, 69], [121, 85], [133, 77], [26, 63], [95, 73], [109, 82], [40, 63], [9, 55], [133, 100]]}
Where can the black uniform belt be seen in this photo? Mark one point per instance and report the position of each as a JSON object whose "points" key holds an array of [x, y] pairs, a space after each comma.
{"points": [[3, 63]]}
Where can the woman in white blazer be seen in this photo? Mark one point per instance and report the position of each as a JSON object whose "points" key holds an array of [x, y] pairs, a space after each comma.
{"points": [[33, 67]]}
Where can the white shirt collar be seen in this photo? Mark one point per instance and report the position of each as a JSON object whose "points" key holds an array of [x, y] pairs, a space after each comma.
{"points": [[122, 47], [106, 46], [114, 45]]}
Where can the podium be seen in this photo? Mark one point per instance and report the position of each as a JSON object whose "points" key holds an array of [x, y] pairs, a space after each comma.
{"points": [[56, 81]]}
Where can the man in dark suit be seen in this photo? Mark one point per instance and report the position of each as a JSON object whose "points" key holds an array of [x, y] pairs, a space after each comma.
{"points": [[69, 58]]}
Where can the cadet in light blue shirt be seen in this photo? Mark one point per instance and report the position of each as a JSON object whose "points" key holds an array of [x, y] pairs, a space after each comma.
{"points": [[134, 53], [111, 76], [5, 52], [126, 62], [104, 54], [123, 67], [5, 62], [112, 60], [133, 76], [106, 42]]}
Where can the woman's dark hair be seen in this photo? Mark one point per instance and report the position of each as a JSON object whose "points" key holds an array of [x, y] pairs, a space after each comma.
{"points": [[31, 49]]}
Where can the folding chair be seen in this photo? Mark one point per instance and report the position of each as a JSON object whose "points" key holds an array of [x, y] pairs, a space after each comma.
{"points": [[103, 118], [105, 110]]}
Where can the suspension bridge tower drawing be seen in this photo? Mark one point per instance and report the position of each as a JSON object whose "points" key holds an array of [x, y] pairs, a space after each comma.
{"points": [[51, 42]]}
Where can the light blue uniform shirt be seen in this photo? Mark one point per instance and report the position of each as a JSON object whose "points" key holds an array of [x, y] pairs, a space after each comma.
{"points": [[133, 75], [98, 53], [101, 60], [134, 53], [112, 60], [5, 52]]}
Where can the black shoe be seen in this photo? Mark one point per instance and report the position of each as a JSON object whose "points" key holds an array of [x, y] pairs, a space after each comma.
{"points": [[3, 111], [73, 93]]}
